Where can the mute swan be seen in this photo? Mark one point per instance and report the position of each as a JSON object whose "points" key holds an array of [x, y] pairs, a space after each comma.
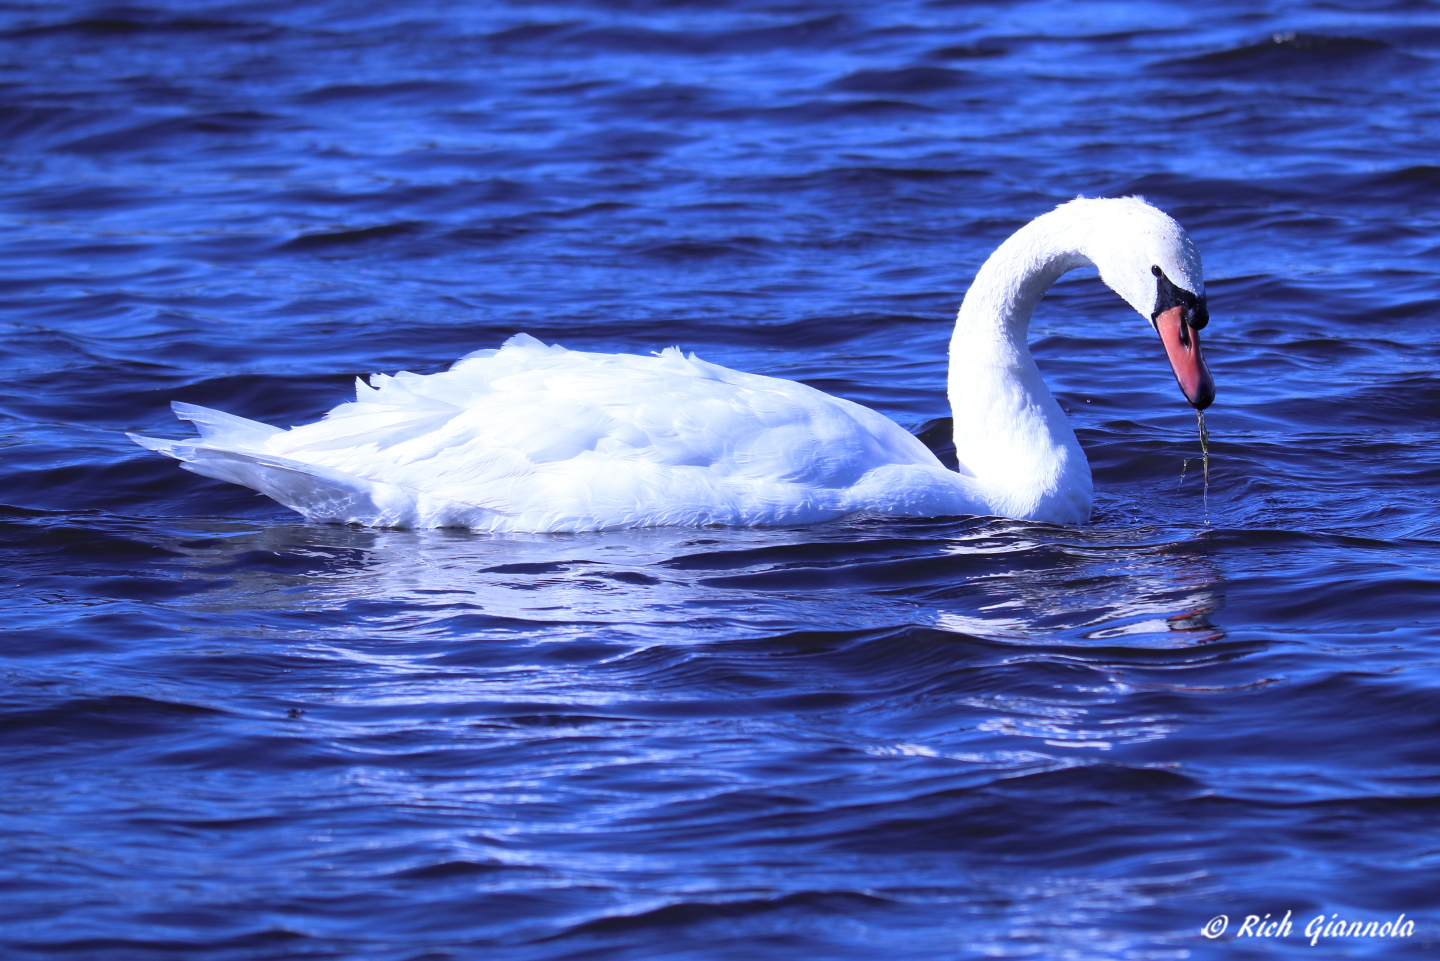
{"points": [[537, 438]]}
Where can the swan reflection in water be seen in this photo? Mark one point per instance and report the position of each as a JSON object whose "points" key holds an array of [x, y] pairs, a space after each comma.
{"points": [[990, 578], [609, 673], [1026, 643]]}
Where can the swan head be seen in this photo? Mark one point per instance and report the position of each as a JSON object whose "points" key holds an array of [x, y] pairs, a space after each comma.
{"points": [[1149, 260]]}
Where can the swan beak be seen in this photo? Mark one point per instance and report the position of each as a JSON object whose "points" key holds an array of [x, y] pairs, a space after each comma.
{"points": [[1182, 346]]}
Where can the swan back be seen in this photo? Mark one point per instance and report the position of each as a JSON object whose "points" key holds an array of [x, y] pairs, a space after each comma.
{"points": [[539, 438]]}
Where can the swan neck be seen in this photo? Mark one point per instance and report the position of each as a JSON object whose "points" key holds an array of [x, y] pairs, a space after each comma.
{"points": [[1010, 433], [1014, 278]]}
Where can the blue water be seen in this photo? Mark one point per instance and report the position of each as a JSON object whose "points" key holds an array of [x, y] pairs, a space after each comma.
{"points": [[230, 734]]}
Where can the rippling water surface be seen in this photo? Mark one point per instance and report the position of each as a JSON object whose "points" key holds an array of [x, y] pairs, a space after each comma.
{"points": [[229, 734]]}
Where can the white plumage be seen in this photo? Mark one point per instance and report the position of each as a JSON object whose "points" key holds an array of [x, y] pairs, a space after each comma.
{"points": [[539, 438]]}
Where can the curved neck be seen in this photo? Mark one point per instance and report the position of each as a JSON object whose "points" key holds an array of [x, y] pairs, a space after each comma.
{"points": [[1009, 431]]}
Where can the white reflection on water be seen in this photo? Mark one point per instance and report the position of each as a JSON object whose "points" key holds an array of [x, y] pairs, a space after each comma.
{"points": [[1059, 597], [853, 575]]}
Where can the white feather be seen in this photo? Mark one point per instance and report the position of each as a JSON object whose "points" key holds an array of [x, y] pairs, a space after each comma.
{"points": [[539, 438]]}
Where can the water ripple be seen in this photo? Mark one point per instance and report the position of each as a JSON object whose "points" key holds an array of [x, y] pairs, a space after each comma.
{"points": [[232, 735]]}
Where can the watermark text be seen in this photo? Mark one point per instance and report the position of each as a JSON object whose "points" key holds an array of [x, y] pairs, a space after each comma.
{"points": [[1317, 929]]}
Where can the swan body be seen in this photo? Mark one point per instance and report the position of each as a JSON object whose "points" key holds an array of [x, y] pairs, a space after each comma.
{"points": [[539, 438]]}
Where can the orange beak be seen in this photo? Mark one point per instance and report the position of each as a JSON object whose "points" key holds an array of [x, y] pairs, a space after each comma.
{"points": [[1182, 346]]}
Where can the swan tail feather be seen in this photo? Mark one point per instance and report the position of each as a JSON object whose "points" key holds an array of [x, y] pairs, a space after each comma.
{"points": [[218, 427], [321, 493]]}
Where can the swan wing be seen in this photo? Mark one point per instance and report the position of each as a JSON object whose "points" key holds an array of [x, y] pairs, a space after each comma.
{"points": [[540, 438]]}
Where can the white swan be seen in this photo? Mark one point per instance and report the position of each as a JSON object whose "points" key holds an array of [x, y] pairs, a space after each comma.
{"points": [[537, 438]]}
